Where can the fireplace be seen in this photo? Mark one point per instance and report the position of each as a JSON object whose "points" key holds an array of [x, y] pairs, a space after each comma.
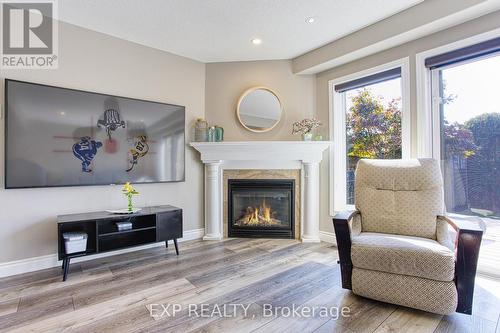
{"points": [[261, 208]]}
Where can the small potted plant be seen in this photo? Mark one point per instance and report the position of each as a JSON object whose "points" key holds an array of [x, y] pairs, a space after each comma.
{"points": [[305, 127], [129, 191]]}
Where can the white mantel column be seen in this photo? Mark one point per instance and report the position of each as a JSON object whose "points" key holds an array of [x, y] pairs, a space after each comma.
{"points": [[310, 231], [213, 201]]}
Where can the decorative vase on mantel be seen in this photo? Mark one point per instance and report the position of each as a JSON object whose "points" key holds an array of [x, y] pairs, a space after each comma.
{"points": [[305, 127], [201, 130], [307, 136]]}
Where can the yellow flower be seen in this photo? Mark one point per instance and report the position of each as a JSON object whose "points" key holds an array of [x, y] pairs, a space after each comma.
{"points": [[129, 189]]}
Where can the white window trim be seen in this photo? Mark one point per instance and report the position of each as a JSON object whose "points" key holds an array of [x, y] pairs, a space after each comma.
{"points": [[337, 116], [427, 120]]}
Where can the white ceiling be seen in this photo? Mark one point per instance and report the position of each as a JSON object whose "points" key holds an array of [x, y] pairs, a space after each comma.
{"points": [[222, 30]]}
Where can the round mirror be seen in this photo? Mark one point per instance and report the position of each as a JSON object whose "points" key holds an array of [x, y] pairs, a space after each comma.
{"points": [[259, 109]]}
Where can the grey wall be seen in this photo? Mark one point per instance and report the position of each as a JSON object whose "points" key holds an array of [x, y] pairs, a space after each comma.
{"points": [[480, 25], [97, 62]]}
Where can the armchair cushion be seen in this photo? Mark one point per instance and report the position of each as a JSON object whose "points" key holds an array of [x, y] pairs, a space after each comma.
{"points": [[405, 255], [400, 197]]}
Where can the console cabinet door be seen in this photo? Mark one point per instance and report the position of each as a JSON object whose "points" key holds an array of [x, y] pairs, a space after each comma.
{"points": [[169, 225]]}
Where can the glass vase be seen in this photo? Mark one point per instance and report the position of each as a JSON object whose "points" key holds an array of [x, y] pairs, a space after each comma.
{"points": [[200, 130], [219, 134], [307, 136], [211, 134], [130, 206]]}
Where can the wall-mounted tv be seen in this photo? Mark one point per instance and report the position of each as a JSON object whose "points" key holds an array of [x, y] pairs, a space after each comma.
{"points": [[64, 137]]}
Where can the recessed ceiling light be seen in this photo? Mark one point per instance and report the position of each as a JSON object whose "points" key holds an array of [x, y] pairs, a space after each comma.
{"points": [[62, 113], [310, 19], [256, 41]]}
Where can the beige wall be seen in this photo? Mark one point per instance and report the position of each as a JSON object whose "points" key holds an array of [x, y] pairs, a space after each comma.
{"points": [[97, 62], [225, 82], [483, 24]]}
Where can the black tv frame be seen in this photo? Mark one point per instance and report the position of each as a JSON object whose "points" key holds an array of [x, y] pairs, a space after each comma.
{"points": [[6, 113]]}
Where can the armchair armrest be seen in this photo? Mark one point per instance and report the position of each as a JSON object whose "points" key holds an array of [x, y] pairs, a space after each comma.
{"points": [[462, 225], [468, 242], [342, 229], [345, 215]]}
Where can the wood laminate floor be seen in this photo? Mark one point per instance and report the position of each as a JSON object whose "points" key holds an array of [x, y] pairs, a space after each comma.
{"points": [[119, 293]]}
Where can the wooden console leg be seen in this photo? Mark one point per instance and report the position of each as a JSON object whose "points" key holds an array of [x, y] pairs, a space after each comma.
{"points": [[63, 264], [176, 247], [66, 268]]}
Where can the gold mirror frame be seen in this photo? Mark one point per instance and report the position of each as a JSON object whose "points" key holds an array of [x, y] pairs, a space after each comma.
{"points": [[250, 90]]}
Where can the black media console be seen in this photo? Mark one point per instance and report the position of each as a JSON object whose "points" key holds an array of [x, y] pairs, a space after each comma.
{"points": [[150, 225]]}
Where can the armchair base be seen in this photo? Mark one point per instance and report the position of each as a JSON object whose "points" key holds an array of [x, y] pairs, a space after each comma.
{"points": [[467, 252], [414, 292]]}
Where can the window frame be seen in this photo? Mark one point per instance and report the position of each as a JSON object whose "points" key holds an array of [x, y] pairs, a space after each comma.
{"points": [[337, 128], [428, 119]]}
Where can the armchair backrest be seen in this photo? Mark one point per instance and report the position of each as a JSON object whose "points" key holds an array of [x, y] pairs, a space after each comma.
{"points": [[400, 197]]}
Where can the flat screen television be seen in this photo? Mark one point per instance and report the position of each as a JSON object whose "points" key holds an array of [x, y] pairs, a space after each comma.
{"points": [[65, 137]]}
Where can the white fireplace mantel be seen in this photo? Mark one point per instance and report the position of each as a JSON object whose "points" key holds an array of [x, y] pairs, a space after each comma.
{"points": [[304, 155]]}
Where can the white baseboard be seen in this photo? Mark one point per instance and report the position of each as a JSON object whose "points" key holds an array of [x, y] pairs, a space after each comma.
{"points": [[327, 237], [310, 240], [50, 260]]}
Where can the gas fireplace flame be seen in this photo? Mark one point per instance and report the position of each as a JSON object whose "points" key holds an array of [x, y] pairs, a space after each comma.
{"points": [[263, 214]]}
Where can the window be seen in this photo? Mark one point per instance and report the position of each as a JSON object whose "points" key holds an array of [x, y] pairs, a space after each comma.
{"points": [[369, 121], [466, 136], [469, 135]]}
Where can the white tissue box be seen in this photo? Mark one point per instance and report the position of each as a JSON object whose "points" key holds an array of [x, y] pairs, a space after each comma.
{"points": [[75, 242]]}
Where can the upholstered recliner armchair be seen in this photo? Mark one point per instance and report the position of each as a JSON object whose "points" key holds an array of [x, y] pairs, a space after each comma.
{"points": [[399, 247]]}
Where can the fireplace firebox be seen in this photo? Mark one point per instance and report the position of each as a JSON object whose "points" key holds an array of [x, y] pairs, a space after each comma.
{"points": [[261, 208]]}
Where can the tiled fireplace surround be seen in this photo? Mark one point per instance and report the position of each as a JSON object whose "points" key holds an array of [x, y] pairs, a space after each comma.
{"points": [[296, 160], [261, 174]]}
